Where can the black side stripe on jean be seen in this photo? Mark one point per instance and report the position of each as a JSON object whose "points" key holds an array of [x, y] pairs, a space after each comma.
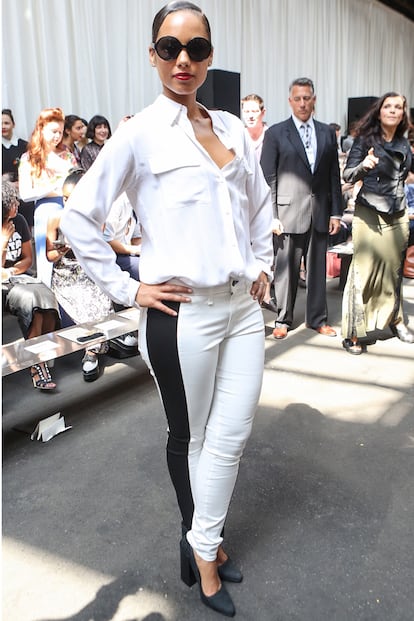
{"points": [[163, 354]]}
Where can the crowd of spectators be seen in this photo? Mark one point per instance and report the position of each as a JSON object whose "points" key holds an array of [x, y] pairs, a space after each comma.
{"points": [[36, 176]]}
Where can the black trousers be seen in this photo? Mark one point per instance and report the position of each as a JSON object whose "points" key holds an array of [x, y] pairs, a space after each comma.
{"points": [[289, 249]]}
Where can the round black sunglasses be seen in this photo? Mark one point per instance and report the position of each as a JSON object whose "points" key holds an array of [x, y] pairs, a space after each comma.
{"points": [[168, 48]]}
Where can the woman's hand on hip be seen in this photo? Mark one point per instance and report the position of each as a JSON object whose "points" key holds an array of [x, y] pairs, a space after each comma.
{"points": [[154, 296]]}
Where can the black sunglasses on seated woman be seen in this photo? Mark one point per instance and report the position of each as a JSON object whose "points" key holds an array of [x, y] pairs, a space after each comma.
{"points": [[168, 48]]}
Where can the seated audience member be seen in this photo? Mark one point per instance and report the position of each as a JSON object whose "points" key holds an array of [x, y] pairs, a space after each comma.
{"points": [[123, 234], [76, 293], [73, 132], [42, 171], [11, 152], [31, 301], [12, 147], [83, 141], [98, 132]]}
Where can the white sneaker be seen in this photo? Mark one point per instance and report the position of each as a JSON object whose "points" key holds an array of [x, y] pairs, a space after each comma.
{"points": [[89, 362], [124, 346], [128, 340]]}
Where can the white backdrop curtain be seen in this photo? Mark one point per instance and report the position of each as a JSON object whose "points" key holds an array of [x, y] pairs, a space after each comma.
{"points": [[91, 56]]}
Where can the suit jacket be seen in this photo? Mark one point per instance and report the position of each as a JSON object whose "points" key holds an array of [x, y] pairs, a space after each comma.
{"points": [[302, 199]]}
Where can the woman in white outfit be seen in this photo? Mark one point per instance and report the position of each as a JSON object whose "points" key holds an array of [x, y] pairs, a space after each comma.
{"points": [[206, 255]]}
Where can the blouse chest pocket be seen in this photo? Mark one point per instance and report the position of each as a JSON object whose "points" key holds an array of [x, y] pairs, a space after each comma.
{"points": [[182, 182]]}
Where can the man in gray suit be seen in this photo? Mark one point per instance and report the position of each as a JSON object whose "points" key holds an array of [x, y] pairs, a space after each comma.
{"points": [[300, 163]]}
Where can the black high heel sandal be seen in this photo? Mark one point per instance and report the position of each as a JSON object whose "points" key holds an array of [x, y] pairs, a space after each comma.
{"points": [[220, 601], [45, 379]]}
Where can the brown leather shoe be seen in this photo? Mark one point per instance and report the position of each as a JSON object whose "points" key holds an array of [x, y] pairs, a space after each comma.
{"points": [[326, 330], [280, 333]]}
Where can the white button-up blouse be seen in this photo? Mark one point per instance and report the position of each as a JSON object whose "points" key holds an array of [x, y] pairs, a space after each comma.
{"points": [[200, 224]]}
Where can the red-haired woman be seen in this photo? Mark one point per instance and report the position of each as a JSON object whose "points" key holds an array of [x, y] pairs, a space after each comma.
{"points": [[42, 172]]}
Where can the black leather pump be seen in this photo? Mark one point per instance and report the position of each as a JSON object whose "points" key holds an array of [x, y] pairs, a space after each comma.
{"points": [[228, 571], [220, 601]]}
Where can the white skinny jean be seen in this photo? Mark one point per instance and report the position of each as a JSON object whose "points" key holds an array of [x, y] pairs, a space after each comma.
{"points": [[208, 365]]}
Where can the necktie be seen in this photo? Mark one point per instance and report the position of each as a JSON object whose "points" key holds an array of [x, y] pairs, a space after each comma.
{"points": [[306, 131], [306, 135]]}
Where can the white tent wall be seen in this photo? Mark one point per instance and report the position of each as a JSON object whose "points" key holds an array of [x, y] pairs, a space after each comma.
{"points": [[91, 56]]}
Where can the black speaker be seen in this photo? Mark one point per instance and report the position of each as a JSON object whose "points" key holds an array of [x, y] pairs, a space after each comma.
{"points": [[221, 91], [357, 107], [412, 115]]}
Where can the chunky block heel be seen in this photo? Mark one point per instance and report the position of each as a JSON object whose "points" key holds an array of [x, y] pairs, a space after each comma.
{"points": [[187, 574], [228, 571], [221, 601]]}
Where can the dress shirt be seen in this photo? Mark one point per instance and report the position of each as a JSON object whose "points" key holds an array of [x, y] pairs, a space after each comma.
{"points": [[311, 152], [200, 224]]}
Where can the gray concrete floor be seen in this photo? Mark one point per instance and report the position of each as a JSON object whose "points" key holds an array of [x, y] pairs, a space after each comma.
{"points": [[322, 518]]}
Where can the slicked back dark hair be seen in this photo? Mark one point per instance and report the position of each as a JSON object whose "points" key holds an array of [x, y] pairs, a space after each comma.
{"points": [[172, 7]]}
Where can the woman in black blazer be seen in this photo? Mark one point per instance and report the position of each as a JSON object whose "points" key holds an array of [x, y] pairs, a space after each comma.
{"points": [[380, 157]]}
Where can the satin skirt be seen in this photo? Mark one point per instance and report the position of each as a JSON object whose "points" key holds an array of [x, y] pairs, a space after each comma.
{"points": [[372, 295]]}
